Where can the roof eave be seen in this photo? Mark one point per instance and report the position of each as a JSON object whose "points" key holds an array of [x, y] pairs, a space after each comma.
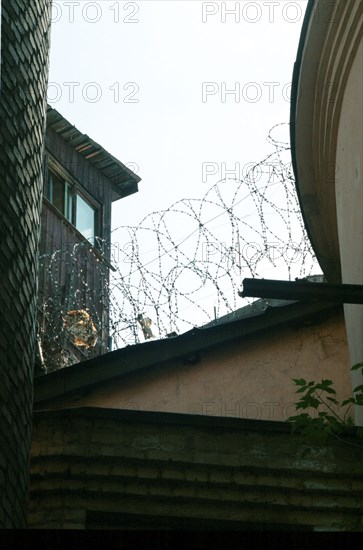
{"points": [[119, 363], [124, 181]]}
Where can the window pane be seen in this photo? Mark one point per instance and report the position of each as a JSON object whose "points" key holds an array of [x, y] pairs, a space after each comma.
{"points": [[68, 202], [85, 219], [58, 193], [48, 186]]}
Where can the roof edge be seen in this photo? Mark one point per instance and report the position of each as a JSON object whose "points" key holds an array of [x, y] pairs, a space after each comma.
{"points": [[124, 180], [175, 419], [114, 365]]}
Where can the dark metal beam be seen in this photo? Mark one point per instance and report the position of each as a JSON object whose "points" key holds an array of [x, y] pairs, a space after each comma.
{"points": [[302, 290]]}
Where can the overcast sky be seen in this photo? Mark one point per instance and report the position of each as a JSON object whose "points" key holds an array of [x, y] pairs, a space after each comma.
{"points": [[177, 90], [149, 81]]}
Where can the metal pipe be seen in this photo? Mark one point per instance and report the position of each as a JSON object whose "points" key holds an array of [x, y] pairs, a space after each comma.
{"points": [[302, 291]]}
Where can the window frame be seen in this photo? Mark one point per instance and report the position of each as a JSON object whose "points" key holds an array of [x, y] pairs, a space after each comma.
{"points": [[76, 188]]}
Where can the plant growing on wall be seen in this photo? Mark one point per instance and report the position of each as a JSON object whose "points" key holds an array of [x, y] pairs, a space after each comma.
{"points": [[333, 416]]}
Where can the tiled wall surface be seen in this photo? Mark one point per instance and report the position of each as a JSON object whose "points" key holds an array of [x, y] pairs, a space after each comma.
{"points": [[24, 73]]}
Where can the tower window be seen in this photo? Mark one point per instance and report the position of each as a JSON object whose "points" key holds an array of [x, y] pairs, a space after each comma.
{"points": [[85, 218], [72, 205]]}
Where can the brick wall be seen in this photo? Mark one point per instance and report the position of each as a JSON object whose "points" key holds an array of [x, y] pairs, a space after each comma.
{"points": [[24, 57], [98, 468]]}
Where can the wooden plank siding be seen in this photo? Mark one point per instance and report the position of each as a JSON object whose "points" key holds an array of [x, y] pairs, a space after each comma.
{"points": [[72, 276], [93, 181]]}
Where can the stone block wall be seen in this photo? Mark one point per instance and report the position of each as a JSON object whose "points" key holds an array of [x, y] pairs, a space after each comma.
{"points": [[24, 73], [97, 468]]}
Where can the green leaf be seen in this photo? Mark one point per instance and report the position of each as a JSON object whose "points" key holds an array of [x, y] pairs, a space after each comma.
{"points": [[299, 421], [293, 418], [349, 421], [333, 420], [314, 403], [348, 401], [299, 381], [307, 401], [325, 385], [320, 427], [333, 400], [325, 388], [357, 366]]}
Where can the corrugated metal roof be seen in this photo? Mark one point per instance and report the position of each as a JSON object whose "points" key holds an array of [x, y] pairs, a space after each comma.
{"points": [[124, 180]]}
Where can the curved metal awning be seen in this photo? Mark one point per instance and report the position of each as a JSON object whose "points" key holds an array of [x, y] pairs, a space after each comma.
{"points": [[329, 41]]}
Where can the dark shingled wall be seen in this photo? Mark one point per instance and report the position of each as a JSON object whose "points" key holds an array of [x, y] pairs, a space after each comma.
{"points": [[24, 73]]}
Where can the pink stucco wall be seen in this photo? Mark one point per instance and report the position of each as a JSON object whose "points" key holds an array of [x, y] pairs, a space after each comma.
{"points": [[247, 379]]}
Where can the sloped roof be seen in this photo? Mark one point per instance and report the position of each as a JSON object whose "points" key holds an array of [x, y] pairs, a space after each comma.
{"points": [[123, 179], [258, 307], [260, 316]]}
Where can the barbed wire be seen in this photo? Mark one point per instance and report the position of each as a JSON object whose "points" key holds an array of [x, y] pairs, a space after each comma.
{"points": [[183, 266]]}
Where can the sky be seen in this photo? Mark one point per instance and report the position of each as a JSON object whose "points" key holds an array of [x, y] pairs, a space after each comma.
{"points": [[149, 81], [179, 90]]}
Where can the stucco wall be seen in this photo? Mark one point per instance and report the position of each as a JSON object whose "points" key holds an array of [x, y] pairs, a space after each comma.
{"points": [[349, 200], [25, 45], [250, 378]]}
